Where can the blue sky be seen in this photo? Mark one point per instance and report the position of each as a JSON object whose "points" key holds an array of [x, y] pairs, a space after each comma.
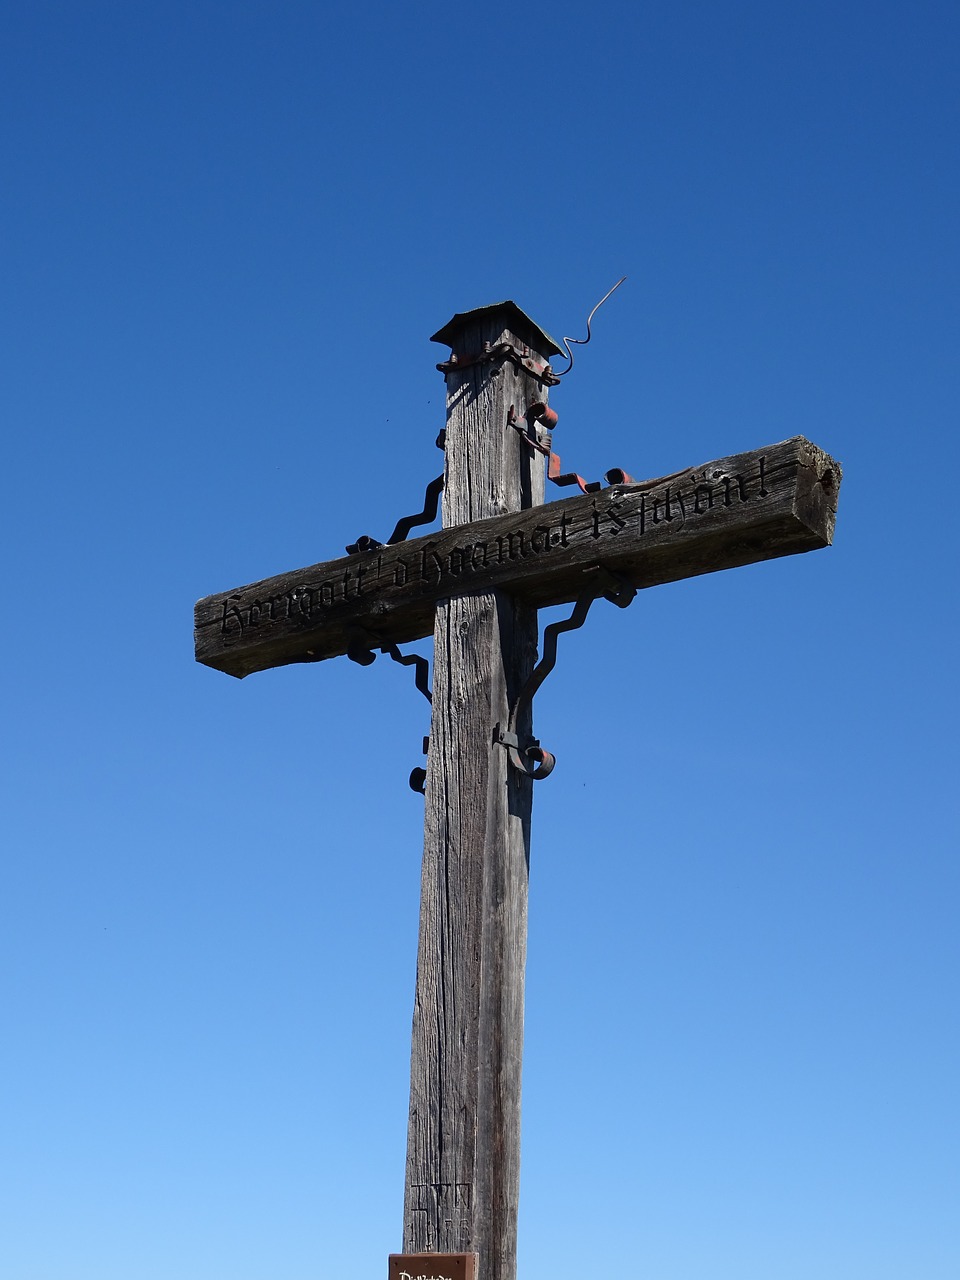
{"points": [[228, 231]]}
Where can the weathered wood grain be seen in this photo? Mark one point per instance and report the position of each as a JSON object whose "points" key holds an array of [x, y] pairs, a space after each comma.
{"points": [[776, 501], [463, 1146]]}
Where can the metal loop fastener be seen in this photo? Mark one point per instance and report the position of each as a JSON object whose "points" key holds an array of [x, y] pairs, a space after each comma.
{"points": [[418, 780], [533, 760]]}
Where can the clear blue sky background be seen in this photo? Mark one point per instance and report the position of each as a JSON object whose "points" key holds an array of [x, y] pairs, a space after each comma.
{"points": [[228, 231]]}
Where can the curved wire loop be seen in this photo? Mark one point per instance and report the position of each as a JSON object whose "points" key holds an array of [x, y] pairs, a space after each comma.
{"points": [[582, 342], [535, 761]]}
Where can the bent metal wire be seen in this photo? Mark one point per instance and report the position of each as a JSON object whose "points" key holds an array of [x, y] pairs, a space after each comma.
{"points": [[582, 342]]}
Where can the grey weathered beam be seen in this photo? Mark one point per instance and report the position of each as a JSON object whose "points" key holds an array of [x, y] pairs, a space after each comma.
{"points": [[462, 1181], [775, 501]]}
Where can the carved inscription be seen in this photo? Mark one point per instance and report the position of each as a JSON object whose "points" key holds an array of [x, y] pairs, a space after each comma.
{"points": [[389, 571], [445, 1205], [777, 501]]}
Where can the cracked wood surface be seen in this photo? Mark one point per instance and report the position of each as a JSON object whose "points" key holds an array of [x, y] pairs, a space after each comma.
{"points": [[463, 1147], [776, 501]]}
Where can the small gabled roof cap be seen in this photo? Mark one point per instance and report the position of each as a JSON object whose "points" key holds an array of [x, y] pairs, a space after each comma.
{"points": [[513, 318]]}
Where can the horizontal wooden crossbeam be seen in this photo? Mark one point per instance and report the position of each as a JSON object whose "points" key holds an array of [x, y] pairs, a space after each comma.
{"points": [[776, 501]]}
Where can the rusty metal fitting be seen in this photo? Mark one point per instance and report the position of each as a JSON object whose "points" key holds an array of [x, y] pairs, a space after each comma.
{"points": [[533, 760], [536, 762], [569, 477], [541, 412], [521, 357]]}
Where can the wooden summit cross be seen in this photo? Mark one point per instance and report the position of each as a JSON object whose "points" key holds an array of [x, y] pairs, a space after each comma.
{"points": [[476, 586]]}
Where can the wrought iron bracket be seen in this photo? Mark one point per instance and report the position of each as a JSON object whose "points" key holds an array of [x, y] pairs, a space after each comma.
{"points": [[532, 759], [364, 643], [431, 505], [538, 437], [522, 356], [362, 650]]}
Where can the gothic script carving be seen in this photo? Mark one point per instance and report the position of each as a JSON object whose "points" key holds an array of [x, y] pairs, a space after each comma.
{"points": [[775, 501]]}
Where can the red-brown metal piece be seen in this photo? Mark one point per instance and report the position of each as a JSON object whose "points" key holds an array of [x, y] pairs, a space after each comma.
{"points": [[433, 1266], [570, 477], [540, 412], [546, 419], [522, 357]]}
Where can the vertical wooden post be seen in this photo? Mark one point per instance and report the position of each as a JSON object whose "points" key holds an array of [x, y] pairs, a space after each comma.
{"points": [[463, 1145]]}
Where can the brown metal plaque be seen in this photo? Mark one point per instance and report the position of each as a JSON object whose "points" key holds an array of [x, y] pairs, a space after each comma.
{"points": [[433, 1266]]}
